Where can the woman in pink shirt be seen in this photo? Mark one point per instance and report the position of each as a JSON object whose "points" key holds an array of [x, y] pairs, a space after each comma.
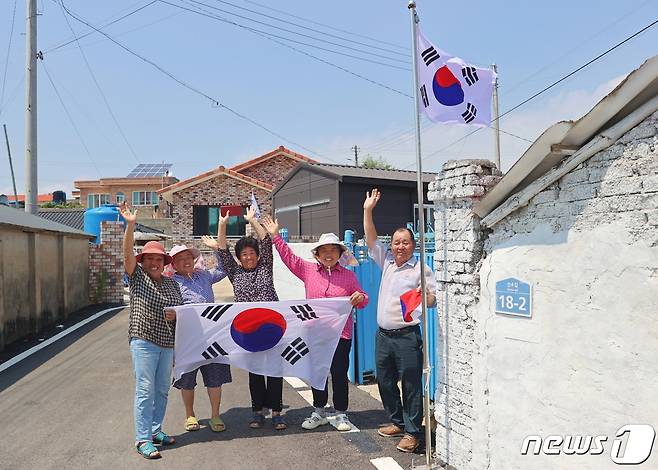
{"points": [[326, 278]]}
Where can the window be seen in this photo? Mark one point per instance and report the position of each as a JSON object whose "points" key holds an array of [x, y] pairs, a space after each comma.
{"points": [[97, 200], [120, 197], [429, 217], [205, 220], [145, 198]]}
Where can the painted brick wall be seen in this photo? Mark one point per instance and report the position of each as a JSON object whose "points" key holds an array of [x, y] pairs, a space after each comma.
{"points": [[272, 170], [219, 191], [106, 265]]}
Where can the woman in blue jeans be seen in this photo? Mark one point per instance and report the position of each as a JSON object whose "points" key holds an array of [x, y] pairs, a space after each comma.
{"points": [[151, 336]]}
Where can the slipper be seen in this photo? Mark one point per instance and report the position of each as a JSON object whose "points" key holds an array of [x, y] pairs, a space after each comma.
{"points": [[217, 425], [148, 450], [257, 421], [279, 422], [191, 424], [163, 438]]}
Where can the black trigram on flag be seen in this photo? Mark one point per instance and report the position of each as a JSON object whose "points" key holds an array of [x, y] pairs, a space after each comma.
{"points": [[470, 74], [214, 312], [295, 351], [423, 95], [429, 55], [213, 350], [304, 312], [470, 113]]}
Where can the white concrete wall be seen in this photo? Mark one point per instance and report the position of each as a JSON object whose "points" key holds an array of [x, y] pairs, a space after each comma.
{"points": [[587, 361]]}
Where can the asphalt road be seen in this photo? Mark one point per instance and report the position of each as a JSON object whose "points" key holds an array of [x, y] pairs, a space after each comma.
{"points": [[69, 406]]}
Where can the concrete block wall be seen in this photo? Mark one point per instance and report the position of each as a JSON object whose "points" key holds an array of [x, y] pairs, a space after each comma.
{"points": [[106, 265], [460, 243]]}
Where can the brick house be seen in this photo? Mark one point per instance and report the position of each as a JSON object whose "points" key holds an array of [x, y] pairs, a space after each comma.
{"points": [[197, 202]]}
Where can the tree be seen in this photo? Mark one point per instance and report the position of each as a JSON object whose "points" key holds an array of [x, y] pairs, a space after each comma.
{"points": [[378, 163]]}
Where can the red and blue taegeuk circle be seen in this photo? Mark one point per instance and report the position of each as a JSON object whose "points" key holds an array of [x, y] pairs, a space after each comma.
{"points": [[258, 329], [447, 89]]}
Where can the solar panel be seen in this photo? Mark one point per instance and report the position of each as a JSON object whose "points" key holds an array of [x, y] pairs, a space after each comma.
{"points": [[144, 170]]}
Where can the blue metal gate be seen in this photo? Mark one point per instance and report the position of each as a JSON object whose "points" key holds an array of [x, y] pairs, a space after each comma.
{"points": [[362, 356]]}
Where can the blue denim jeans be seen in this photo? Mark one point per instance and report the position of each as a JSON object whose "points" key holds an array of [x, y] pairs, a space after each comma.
{"points": [[152, 365]]}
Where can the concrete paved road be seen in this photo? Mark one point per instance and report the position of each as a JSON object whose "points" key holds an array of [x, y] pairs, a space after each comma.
{"points": [[69, 406]]}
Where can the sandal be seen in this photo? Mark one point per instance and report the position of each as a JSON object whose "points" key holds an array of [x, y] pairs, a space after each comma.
{"points": [[217, 425], [257, 421], [191, 424], [279, 422], [163, 438], [148, 450]]}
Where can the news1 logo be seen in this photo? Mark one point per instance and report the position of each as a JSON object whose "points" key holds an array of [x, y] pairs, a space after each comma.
{"points": [[632, 444]]}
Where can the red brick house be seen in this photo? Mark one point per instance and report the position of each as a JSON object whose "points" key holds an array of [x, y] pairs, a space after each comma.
{"points": [[197, 202]]}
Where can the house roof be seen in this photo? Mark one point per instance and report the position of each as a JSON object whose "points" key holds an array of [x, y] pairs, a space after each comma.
{"points": [[339, 172], [74, 218], [279, 151], [40, 198], [125, 181], [566, 138], [20, 219], [168, 191]]}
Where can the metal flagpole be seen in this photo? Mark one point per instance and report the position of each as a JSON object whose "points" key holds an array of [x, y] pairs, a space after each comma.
{"points": [[421, 240], [496, 121], [11, 166]]}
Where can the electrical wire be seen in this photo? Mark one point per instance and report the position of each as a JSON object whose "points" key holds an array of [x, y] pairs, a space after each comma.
{"points": [[100, 90], [68, 114], [216, 102], [4, 75]]}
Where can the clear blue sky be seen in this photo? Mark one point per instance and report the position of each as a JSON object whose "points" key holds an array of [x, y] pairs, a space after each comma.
{"points": [[315, 105]]}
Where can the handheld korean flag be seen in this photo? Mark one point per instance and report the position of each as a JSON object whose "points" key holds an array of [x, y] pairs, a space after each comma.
{"points": [[254, 205], [450, 90], [410, 303], [276, 339]]}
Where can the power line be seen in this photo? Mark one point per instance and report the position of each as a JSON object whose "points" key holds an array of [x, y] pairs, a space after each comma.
{"points": [[403, 54], [328, 26], [304, 35], [68, 114], [88, 33], [100, 90], [300, 51], [11, 35], [185, 85]]}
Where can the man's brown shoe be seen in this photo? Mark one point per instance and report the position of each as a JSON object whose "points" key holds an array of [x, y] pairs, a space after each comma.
{"points": [[408, 443], [391, 431]]}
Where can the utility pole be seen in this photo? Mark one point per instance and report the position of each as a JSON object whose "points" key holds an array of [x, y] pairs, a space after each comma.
{"points": [[356, 155], [11, 165], [31, 185], [496, 120]]}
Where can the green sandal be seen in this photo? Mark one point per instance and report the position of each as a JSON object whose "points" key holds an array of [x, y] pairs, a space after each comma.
{"points": [[163, 438], [148, 450]]}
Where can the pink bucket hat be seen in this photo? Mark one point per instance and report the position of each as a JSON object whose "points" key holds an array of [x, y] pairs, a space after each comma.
{"points": [[154, 248], [181, 248]]}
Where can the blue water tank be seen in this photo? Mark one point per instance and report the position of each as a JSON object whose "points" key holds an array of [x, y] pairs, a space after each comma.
{"points": [[283, 232], [59, 197], [349, 236], [94, 217]]}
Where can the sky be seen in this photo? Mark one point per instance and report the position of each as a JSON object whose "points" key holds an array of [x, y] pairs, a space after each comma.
{"points": [[103, 110]]}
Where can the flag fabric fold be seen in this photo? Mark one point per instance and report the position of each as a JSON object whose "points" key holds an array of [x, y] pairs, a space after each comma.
{"points": [[449, 89], [254, 205], [277, 339]]}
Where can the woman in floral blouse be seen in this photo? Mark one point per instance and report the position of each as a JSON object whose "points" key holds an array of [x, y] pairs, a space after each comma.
{"points": [[253, 281]]}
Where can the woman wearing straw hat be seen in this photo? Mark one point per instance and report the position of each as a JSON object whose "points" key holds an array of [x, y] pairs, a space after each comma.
{"points": [[151, 334], [196, 287], [326, 278]]}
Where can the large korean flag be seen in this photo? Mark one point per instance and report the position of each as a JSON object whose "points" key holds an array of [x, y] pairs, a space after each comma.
{"points": [[449, 89], [278, 339]]}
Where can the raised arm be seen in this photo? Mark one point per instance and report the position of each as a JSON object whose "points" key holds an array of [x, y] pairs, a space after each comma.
{"points": [[129, 261], [370, 232], [221, 231], [218, 273], [250, 217], [294, 263]]}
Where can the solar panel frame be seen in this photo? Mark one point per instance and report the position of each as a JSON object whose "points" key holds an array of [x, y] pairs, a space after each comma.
{"points": [[145, 170]]}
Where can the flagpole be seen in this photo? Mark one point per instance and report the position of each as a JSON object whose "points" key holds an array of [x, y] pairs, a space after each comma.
{"points": [[496, 121], [421, 240]]}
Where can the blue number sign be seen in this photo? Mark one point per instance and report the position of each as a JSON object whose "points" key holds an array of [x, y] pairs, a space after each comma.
{"points": [[514, 297]]}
